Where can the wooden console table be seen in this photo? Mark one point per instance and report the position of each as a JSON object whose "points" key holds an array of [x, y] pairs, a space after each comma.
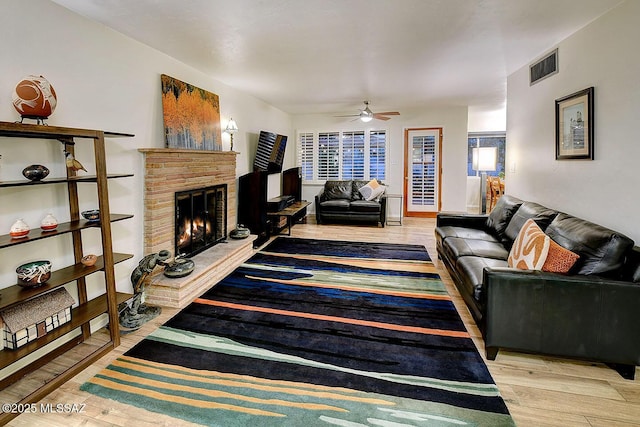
{"points": [[295, 211]]}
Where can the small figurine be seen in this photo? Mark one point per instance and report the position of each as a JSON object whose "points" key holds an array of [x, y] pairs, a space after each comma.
{"points": [[134, 313], [72, 163]]}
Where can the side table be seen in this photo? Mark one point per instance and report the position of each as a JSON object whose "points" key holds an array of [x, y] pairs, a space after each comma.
{"points": [[392, 220]]}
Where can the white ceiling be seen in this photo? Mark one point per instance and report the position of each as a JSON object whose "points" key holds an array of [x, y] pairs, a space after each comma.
{"points": [[327, 56]]}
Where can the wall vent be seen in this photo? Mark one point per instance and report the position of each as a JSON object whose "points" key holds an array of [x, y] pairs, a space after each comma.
{"points": [[545, 67]]}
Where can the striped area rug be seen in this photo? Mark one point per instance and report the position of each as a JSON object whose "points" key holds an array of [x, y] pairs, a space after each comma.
{"points": [[314, 333]]}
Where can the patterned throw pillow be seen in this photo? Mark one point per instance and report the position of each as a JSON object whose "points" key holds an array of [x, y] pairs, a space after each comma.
{"points": [[530, 249], [368, 190], [559, 259]]}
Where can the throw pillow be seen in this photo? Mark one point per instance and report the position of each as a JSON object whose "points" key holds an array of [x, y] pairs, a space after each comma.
{"points": [[377, 193], [530, 249], [559, 259], [368, 189]]}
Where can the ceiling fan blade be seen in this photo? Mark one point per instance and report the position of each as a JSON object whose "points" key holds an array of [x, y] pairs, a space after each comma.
{"points": [[350, 115], [380, 117], [390, 113]]}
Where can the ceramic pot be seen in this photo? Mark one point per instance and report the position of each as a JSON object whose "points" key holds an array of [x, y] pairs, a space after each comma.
{"points": [[34, 97], [19, 229], [34, 273], [35, 172], [49, 223]]}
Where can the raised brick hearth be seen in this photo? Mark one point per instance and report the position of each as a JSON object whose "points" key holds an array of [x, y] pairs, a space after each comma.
{"points": [[171, 170]]}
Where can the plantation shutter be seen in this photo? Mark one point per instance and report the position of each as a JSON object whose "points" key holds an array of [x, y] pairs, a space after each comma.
{"points": [[353, 155], [329, 155], [377, 154], [305, 155]]}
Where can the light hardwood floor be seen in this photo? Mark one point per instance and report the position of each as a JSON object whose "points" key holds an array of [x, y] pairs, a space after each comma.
{"points": [[539, 391]]}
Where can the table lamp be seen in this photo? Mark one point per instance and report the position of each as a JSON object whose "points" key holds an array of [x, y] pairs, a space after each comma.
{"points": [[484, 159]]}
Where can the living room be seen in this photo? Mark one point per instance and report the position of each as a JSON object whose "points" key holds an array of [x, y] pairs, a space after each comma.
{"points": [[105, 80]]}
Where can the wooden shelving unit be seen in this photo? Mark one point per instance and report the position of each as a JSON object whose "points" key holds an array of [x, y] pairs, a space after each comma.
{"points": [[87, 309]]}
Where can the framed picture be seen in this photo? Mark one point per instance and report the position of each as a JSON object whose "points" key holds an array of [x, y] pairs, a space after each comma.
{"points": [[574, 126], [191, 116]]}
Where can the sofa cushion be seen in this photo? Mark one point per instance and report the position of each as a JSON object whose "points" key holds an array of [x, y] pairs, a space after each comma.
{"points": [[364, 206], [459, 247], [601, 250], [471, 269], [501, 214], [464, 233], [336, 205], [530, 249], [529, 210], [337, 190]]}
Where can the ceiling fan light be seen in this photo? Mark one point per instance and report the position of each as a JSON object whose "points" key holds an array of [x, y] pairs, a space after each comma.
{"points": [[366, 118]]}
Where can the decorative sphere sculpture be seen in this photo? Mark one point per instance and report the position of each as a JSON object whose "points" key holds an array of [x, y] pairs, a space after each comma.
{"points": [[34, 97]]}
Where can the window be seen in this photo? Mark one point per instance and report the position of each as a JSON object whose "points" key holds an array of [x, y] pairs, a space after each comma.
{"points": [[342, 155], [328, 155], [305, 159], [493, 139], [352, 155], [377, 154]]}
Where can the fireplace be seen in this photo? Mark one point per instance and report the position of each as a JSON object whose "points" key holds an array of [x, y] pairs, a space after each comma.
{"points": [[201, 219]]}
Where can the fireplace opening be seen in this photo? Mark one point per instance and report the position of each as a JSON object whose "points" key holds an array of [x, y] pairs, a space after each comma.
{"points": [[201, 219]]}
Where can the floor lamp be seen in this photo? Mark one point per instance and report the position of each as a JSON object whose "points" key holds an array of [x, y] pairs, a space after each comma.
{"points": [[484, 160]]}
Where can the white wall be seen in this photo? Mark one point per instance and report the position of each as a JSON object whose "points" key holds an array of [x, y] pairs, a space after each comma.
{"points": [[453, 120], [603, 55], [103, 80]]}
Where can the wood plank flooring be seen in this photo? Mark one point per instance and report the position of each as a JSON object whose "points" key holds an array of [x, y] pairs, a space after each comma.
{"points": [[539, 391]]}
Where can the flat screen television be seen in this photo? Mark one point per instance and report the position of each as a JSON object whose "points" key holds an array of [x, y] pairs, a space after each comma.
{"points": [[270, 152]]}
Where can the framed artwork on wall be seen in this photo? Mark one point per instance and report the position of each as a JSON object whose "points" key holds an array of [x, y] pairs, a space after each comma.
{"points": [[574, 126], [191, 116]]}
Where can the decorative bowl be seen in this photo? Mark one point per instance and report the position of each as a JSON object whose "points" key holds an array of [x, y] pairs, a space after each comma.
{"points": [[34, 273], [181, 267], [35, 172], [89, 260], [92, 215]]}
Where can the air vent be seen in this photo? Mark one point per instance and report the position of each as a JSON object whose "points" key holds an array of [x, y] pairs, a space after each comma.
{"points": [[544, 68]]}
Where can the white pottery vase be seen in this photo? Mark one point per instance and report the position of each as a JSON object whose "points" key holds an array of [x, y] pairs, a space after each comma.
{"points": [[19, 229], [49, 223]]}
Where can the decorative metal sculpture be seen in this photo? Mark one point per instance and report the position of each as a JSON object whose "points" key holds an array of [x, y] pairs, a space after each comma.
{"points": [[134, 313]]}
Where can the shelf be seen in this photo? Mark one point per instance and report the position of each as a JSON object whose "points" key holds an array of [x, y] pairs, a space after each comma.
{"points": [[16, 294], [85, 178], [20, 130], [64, 227], [79, 316], [87, 310]]}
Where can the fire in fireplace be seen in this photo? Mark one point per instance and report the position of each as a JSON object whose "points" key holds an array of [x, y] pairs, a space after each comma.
{"points": [[201, 219]]}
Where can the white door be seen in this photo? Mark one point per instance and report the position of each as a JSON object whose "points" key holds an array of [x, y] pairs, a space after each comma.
{"points": [[422, 171]]}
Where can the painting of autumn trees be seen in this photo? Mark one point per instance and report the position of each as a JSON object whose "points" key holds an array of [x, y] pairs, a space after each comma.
{"points": [[191, 116]]}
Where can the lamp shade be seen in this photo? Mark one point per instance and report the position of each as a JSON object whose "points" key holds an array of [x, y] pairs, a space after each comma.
{"points": [[232, 127], [485, 159]]}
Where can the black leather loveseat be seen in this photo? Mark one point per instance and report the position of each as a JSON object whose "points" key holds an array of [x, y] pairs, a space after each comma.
{"points": [[591, 312], [343, 201]]}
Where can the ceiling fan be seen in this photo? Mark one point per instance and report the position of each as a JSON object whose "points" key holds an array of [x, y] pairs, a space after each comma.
{"points": [[367, 115]]}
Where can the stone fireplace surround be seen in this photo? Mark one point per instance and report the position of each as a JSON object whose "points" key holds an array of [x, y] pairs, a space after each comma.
{"points": [[166, 172]]}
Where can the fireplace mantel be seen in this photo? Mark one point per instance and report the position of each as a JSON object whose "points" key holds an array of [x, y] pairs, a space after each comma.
{"points": [[168, 170]]}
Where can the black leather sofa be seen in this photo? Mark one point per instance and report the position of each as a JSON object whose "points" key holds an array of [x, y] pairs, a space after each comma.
{"points": [[592, 312], [340, 201]]}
